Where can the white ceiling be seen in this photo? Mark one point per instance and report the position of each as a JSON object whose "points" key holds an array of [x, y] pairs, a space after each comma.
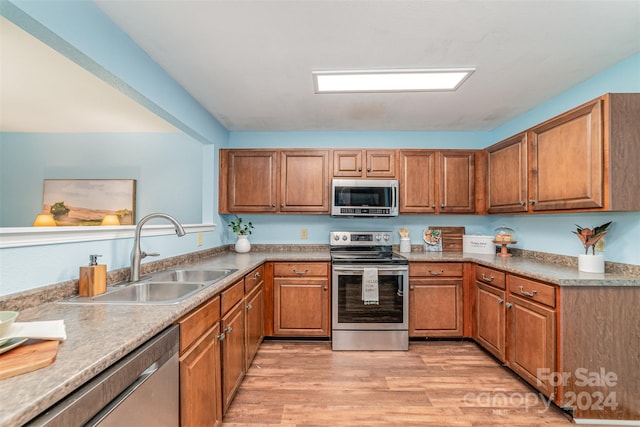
{"points": [[249, 62], [44, 91]]}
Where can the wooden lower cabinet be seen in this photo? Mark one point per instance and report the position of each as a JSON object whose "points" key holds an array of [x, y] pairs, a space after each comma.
{"points": [[200, 392], [532, 342], [254, 327], [490, 319], [436, 302], [233, 359], [302, 300], [200, 367]]}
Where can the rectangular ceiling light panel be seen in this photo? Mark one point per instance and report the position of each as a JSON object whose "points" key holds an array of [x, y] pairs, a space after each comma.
{"points": [[390, 80]]}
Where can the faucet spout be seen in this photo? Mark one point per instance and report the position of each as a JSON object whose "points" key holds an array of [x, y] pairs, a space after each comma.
{"points": [[136, 253]]}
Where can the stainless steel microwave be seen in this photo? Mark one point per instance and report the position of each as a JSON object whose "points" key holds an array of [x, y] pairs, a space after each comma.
{"points": [[364, 197]]}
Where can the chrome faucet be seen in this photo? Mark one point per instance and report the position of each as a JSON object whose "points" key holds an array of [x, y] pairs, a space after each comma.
{"points": [[136, 254]]}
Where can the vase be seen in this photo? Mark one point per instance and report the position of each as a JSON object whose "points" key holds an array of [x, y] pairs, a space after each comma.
{"points": [[242, 244], [591, 263]]}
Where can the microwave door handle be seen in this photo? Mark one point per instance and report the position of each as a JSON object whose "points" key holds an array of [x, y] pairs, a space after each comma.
{"points": [[395, 197]]}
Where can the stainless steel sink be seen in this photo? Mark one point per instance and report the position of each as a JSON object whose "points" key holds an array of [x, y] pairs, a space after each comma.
{"points": [[166, 287], [191, 275]]}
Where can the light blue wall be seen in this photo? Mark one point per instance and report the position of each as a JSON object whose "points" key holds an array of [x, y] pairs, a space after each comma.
{"points": [[167, 168], [79, 30]]}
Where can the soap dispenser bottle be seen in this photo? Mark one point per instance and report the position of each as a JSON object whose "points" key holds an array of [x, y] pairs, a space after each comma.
{"points": [[93, 278]]}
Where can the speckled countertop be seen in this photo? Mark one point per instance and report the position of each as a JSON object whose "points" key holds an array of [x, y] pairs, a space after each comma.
{"points": [[99, 335]]}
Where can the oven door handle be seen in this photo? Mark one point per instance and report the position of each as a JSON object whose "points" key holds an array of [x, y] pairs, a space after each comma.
{"points": [[380, 269]]}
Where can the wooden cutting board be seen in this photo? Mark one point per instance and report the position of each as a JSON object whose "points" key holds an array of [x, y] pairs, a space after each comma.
{"points": [[27, 358], [451, 237]]}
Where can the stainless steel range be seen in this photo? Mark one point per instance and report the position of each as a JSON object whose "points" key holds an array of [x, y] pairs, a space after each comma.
{"points": [[370, 298]]}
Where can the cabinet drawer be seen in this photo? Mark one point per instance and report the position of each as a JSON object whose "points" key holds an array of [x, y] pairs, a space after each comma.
{"points": [[297, 269], [196, 323], [254, 278], [435, 269], [489, 275], [535, 291], [231, 296]]}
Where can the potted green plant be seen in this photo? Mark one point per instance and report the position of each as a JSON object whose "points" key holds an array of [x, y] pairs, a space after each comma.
{"points": [[593, 263], [242, 230]]}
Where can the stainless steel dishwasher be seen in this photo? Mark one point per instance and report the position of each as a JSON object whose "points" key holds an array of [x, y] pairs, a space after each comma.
{"points": [[142, 389]]}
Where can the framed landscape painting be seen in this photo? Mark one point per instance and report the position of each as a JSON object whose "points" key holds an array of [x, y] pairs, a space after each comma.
{"points": [[88, 201]]}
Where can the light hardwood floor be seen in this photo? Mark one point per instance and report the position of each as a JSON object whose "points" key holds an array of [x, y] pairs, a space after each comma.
{"points": [[435, 383]]}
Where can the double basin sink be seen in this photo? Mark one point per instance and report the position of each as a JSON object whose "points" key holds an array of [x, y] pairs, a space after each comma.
{"points": [[164, 287]]}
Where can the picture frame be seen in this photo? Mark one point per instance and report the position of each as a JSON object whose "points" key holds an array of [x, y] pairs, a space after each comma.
{"points": [[86, 202]]}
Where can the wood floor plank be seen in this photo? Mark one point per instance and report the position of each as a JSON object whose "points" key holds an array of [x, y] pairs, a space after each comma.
{"points": [[435, 383]]}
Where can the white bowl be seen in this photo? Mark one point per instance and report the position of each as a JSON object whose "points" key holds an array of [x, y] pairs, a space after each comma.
{"points": [[6, 319]]}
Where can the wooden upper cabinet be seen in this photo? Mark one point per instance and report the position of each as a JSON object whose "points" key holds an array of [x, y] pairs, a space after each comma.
{"points": [[507, 175], [456, 176], [275, 181], [566, 157], [364, 163], [248, 181], [304, 181], [417, 181]]}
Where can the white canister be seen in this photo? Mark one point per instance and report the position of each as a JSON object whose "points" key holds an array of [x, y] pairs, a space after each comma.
{"points": [[405, 244], [591, 263]]}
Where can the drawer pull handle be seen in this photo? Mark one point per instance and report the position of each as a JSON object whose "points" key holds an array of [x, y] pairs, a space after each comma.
{"points": [[222, 336], [487, 279], [509, 305], [306, 270], [436, 273], [528, 294], [500, 300]]}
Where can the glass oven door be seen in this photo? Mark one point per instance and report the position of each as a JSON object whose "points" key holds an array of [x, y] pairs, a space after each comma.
{"points": [[349, 312]]}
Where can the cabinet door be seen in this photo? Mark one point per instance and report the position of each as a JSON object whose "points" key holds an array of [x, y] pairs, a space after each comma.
{"points": [[490, 319], [347, 163], [254, 328], [233, 359], [566, 160], [251, 181], [532, 342], [301, 307], [456, 182], [507, 175], [200, 391], [435, 308], [380, 164], [417, 181], [304, 181]]}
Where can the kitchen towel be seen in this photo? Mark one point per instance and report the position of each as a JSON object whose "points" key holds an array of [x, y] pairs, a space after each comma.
{"points": [[370, 286], [45, 330]]}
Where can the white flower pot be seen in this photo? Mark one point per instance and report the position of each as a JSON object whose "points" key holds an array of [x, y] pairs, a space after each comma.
{"points": [[242, 244], [591, 263]]}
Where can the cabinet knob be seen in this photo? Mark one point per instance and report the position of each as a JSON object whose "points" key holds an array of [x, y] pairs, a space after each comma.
{"points": [[221, 337], [325, 287], [359, 169], [273, 205], [442, 205], [368, 169], [282, 205], [522, 203], [500, 300], [412, 287], [256, 276], [228, 330], [249, 306], [532, 202], [433, 206], [509, 305]]}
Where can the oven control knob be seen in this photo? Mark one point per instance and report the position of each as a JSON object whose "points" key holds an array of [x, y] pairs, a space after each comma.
{"points": [[386, 237], [344, 237], [336, 237], [378, 237]]}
